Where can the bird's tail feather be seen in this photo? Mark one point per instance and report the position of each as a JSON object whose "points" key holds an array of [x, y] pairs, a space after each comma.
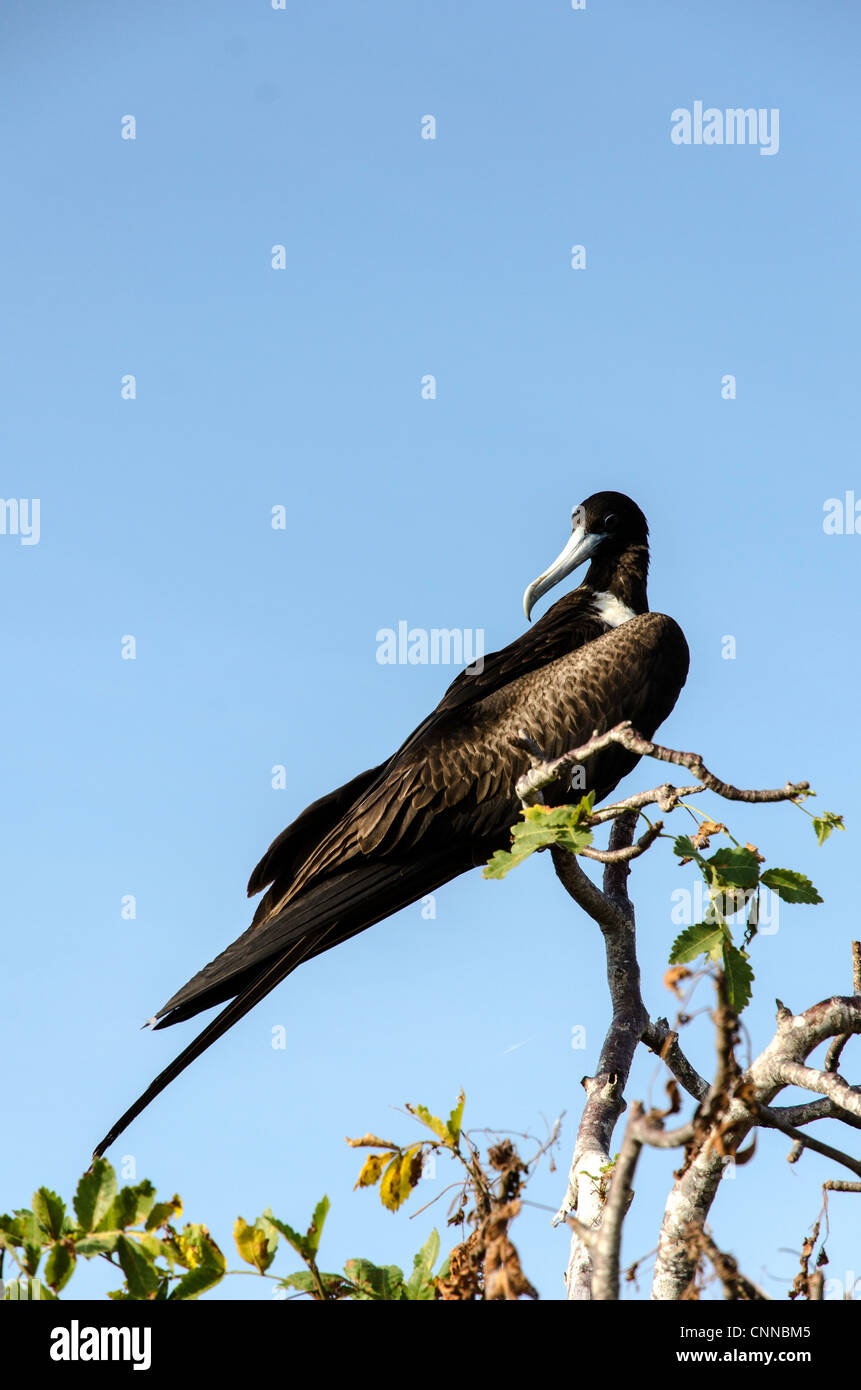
{"points": [[265, 981], [262, 957]]}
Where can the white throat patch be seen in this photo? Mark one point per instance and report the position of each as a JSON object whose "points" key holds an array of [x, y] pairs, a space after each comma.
{"points": [[611, 610]]}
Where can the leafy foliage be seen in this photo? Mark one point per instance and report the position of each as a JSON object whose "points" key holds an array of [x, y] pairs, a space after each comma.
{"points": [[733, 878], [540, 827], [824, 824], [124, 1227], [156, 1261]]}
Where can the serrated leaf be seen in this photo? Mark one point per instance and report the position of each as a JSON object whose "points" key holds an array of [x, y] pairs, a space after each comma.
{"points": [[299, 1243], [49, 1210], [734, 868], [123, 1210], [431, 1122], [10, 1226], [455, 1119], [703, 937], [792, 887], [302, 1280], [141, 1276], [684, 847], [207, 1264], [318, 1221], [334, 1284], [421, 1285], [26, 1233], [541, 826], [88, 1246], [376, 1282], [824, 824], [163, 1212], [371, 1171], [156, 1249], [739, 977], [144, 1194], [59, 1267], [96, 1191], [195, 1282]]}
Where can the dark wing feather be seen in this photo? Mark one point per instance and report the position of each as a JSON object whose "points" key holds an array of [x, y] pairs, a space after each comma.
{"points": [[423, 821], [566, 626], [440, 805]]}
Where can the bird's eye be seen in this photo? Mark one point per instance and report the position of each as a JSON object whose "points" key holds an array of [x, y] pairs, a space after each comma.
{"points": [[610, 521]]}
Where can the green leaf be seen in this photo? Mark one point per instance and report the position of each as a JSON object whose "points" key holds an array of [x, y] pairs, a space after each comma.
{"points": [[334, 1284], [141, 1276], [207, 1263], [376, 1283], [421, 1285], [303, 1280], [541, 826], [684, 847], [455, 1118], [702, 937], [162, 1213], [791, 886], [59, 1267], [129, 1207], [256, 1244], [88, 1246], [49, 1210], [318, 1221], [306, 1245], [24, 1231], [157, 1249], [824, 824], [96, 1191], [291, 1236], [734, 868], [739, 977]]}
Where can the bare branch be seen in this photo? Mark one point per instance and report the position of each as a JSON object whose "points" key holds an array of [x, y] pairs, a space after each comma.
{"points": [[771, 1120], [660, 1038], [613, 911], [780, 1064], [607, 1244], [808, 1112], [824, 1082], [543, 772], [615, 856], [832, 1058]]}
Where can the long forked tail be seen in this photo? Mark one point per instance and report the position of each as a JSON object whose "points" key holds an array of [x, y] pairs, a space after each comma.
{"points": [[331, 912], [236, 1009]]}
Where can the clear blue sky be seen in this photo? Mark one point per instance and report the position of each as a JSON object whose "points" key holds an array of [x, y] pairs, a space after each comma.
{"points": [[301, 387]]}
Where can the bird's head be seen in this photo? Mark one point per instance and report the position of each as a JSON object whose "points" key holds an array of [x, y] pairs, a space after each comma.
{"points": [[603, 527]]}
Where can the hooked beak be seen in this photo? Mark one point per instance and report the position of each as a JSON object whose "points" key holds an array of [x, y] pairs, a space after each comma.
{"points": [[581, 545]]}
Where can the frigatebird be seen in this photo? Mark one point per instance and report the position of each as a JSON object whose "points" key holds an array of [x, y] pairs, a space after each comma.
{"points": [[446, 800]]}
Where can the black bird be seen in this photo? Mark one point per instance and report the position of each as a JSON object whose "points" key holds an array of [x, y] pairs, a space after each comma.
{"points": [[446, 799]]}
